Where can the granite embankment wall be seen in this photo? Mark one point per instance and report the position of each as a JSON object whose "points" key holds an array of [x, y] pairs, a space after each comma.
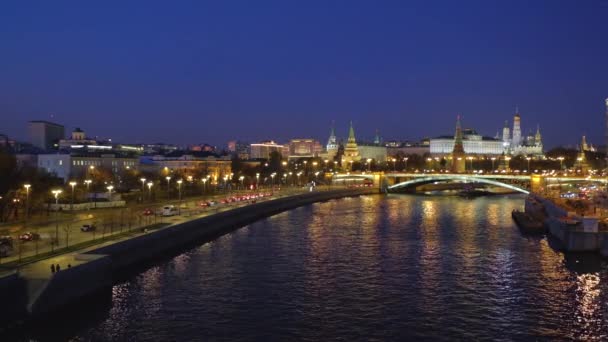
{"points": [[69, 285], [575, 233], [151, 245]]}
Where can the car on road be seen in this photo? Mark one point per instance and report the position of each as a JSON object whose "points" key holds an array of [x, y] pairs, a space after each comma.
{"points": [[6, 246], [148, 212], [29, 236], [169, 210], [88, 227]]}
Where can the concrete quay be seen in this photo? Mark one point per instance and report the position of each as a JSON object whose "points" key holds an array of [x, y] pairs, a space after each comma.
{"points": [[35, 291], [574, 232]]}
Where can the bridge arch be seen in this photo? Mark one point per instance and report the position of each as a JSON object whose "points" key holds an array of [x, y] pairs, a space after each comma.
{"points": [[430, 179]]}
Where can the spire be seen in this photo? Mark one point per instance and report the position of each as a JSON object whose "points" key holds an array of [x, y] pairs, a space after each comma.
{"points": [[458, 147], [377, 138], [351, 134]]}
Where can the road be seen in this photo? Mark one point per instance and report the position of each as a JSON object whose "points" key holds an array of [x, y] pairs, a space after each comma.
{"points": [[111, 221]]}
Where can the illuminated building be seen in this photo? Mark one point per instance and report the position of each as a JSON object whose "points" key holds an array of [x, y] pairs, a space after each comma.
{"points": [[263, 149], [458, 154], [304, 148]]}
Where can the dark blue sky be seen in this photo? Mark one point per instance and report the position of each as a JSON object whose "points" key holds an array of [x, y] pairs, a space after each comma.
{"points": [[210, 71]]}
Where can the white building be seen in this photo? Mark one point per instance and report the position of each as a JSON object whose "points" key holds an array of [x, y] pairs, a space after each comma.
{"points": [[68, 166], [472, 142]]}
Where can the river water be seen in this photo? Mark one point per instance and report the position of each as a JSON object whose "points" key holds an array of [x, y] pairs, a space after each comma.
{"points": [[369, 268]]}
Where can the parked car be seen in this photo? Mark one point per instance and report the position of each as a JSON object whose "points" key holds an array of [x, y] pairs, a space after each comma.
{"points": [[29, 236], [88, 227]]}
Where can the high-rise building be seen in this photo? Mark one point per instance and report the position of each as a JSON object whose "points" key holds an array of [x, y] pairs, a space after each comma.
{"points": [[44, 134]]}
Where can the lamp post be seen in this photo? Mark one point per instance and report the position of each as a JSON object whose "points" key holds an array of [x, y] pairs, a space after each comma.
{"points": [[143, 190], [561, 161], [493, 159], [150, 190], [88, 182], [179, 189], [168, 178], [73, 185], [56, 193], [369, 163], [272, 176], [242, 178], [405, 160], [110, 187], [257, 180], [528, 159], [204, 185], [27, 200]]}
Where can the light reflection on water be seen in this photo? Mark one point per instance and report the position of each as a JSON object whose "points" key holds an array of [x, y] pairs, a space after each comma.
{"points": [[374, 267]]}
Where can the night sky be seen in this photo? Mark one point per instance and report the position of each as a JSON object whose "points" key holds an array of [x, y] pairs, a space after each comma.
{"points": [[211, 71]]}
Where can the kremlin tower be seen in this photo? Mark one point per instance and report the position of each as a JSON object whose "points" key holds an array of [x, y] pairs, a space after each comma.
{"points": [[458, 154], [516, 130], [351, 151]]}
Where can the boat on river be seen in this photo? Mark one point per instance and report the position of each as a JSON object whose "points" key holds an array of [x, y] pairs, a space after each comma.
{"points": [[527, 223]]}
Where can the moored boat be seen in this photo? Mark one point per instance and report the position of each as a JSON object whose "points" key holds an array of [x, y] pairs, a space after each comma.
{"points": [[528, 224]]}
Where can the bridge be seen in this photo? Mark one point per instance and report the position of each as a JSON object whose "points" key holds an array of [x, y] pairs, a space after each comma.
{"points": [[524, 183]]}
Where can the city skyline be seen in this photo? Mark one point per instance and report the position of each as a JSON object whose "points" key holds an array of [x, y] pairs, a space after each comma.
{"points": [[214, 72]]}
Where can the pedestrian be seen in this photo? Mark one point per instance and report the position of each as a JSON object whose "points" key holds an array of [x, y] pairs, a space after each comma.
{"points": [[52, 268], [58, 268]]}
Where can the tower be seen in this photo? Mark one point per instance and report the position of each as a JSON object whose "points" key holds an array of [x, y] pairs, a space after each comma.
{"points": [[351, 151], [606, 137], [516, 129], [377, 138], [332, 144], [458, 154], [537, 137], [506, 133], [581, 160]]}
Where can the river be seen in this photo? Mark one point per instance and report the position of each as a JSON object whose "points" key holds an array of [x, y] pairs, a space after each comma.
{"points": [[368, 268]]}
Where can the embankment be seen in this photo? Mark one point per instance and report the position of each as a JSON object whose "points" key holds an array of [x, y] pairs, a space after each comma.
{"points": [[90, 276]]}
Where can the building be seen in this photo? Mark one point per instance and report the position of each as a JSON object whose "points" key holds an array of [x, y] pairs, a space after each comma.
{"points": [[395, 148], [518, 145], [263, 149], [351, 150], [72, 166], [79, 143], [474, 143], [305, 148], [373, 151], [239, 148], [45, 135], [206, 164]]}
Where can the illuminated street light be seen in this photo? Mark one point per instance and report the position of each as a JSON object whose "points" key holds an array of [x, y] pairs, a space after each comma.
{"points": [[168, 178], [73, 185], [27, 199], [150, 189]]}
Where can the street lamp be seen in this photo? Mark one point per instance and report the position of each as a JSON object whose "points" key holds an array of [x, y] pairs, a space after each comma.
{"points": [[369, 163], [72, 184], [257, 180], [150, 190], [272, 176], [493, 159], [179, 189], [405, 160], [242, 178], [56, 193], [168, 178], [204, 185], [110, 187], [528, 159], [27, 200], [143, 183]]}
